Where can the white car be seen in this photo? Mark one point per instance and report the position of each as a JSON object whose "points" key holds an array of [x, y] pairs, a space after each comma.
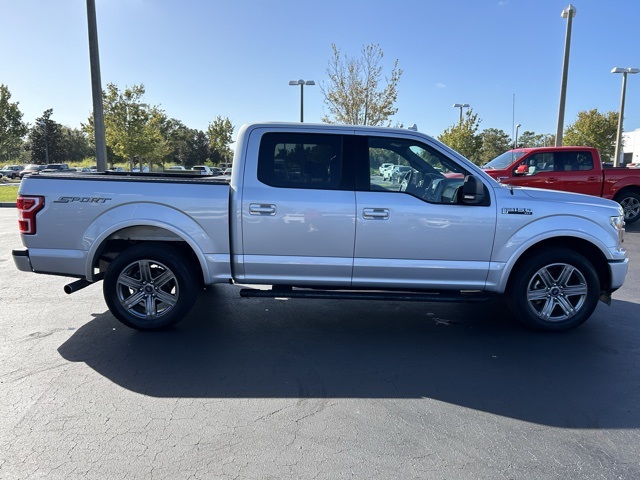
{"points": [[384, 167], [202, 169]]}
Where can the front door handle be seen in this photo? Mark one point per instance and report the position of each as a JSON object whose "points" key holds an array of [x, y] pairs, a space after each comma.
{"points": [[375, 214], [262, 209], [552, 179]]}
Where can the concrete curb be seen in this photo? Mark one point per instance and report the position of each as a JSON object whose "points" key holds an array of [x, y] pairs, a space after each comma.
{"points": [[8, 205]]}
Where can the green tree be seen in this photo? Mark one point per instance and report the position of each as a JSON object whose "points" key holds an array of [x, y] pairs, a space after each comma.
{"points": [[354, 94], [220, 133], [132, 128], [12, 129], [530, 139], [47, 140], [494, 142], [464, 138], [76, 144], [158, 138], [594, 129], [177, 137]]}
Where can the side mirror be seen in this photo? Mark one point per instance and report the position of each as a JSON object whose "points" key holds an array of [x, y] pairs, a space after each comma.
{"points": [[472, 190], [522, 169]]}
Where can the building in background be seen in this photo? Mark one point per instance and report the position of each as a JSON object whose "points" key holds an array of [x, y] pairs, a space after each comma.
{"points": [[631, 147]]}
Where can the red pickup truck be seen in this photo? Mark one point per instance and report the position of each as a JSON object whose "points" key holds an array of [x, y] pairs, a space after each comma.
{"points": [[570, 169]]}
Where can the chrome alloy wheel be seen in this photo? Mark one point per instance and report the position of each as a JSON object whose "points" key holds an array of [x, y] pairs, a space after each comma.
{"points": [[557, 292], [631, 207], [147, 289]]}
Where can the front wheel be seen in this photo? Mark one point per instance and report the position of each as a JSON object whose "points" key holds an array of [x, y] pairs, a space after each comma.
{"points": [[556, 290], [630, 205], [150, 287]]}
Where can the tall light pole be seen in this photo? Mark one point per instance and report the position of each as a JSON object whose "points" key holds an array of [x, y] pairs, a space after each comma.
{"points": [[96, 88], [515, 143], [46, 140], [302, 83], [567, 13], [624, 72], [460, 106]]}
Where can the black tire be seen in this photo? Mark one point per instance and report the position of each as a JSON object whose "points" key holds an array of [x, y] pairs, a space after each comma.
{"points": [[554, 290], [150, 287], [630, 204]]}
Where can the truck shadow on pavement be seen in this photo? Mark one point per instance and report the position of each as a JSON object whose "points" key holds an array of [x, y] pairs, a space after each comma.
{"points": [[473, 356]]}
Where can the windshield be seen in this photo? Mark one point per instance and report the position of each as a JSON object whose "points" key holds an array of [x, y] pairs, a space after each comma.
{"points": [[503, 161]]}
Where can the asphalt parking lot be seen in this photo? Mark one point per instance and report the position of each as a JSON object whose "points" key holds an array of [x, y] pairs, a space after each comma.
{"points": [[259, 388]]}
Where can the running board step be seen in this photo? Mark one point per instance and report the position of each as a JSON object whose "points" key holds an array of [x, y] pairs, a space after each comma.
{"points": [[288, 292]]}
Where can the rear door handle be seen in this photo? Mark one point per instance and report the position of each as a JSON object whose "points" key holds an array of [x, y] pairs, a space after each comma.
{"points": [[375, 214], [262, 209], [552, 179]]}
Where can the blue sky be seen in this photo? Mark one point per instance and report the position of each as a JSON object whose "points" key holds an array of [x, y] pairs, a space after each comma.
{"points": [[199, 59]]}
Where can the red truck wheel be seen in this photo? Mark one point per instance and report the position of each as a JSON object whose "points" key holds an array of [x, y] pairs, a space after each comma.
{"points": [[630, 204], [150, 287], [554, 290]]}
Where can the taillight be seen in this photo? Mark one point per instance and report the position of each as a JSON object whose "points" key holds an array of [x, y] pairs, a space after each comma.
{"points": [[28, 207]]}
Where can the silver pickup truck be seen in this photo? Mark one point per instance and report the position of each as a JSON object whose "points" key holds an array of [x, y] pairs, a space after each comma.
{"points": [[307, 211]]}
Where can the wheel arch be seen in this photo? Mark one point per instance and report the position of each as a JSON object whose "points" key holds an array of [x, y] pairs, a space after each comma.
{"points": [[579, 245], [128, 225], [622, 193]]}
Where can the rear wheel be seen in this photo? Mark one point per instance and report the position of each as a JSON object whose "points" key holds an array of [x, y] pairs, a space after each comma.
{"points": [[556, 290], [150, 287], [630, 204]]}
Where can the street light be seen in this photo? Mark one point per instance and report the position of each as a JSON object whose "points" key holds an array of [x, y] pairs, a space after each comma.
{"points": [[460, 106], [46, 140], [567, 13], [515, 143], [302, 83], [624, 72]]}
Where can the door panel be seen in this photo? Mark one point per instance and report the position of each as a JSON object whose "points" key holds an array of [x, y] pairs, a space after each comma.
{"points": [[421, 245], [415, 232], [298, 216]]}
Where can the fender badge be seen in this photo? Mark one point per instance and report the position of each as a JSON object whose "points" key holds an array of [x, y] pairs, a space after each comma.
{"points": [[517, 211], [81, 200]]}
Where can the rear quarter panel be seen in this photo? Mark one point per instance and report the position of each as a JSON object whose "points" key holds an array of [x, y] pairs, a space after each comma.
{"points": [[80, 213], [616, 179]]}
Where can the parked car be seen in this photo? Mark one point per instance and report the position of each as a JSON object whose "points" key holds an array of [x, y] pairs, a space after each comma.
{"points": [[30, 169], [384, 167], [176, 167], [56, 168], [11, 171], [202, 169], [398, 173], [456, 233], [225, 175], [570, 169]]}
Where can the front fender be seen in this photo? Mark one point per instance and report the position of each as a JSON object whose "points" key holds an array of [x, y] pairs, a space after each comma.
{"points": [[515, 243]]}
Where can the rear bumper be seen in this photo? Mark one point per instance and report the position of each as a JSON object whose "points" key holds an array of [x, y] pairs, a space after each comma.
{"points": [[22, 260]]}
